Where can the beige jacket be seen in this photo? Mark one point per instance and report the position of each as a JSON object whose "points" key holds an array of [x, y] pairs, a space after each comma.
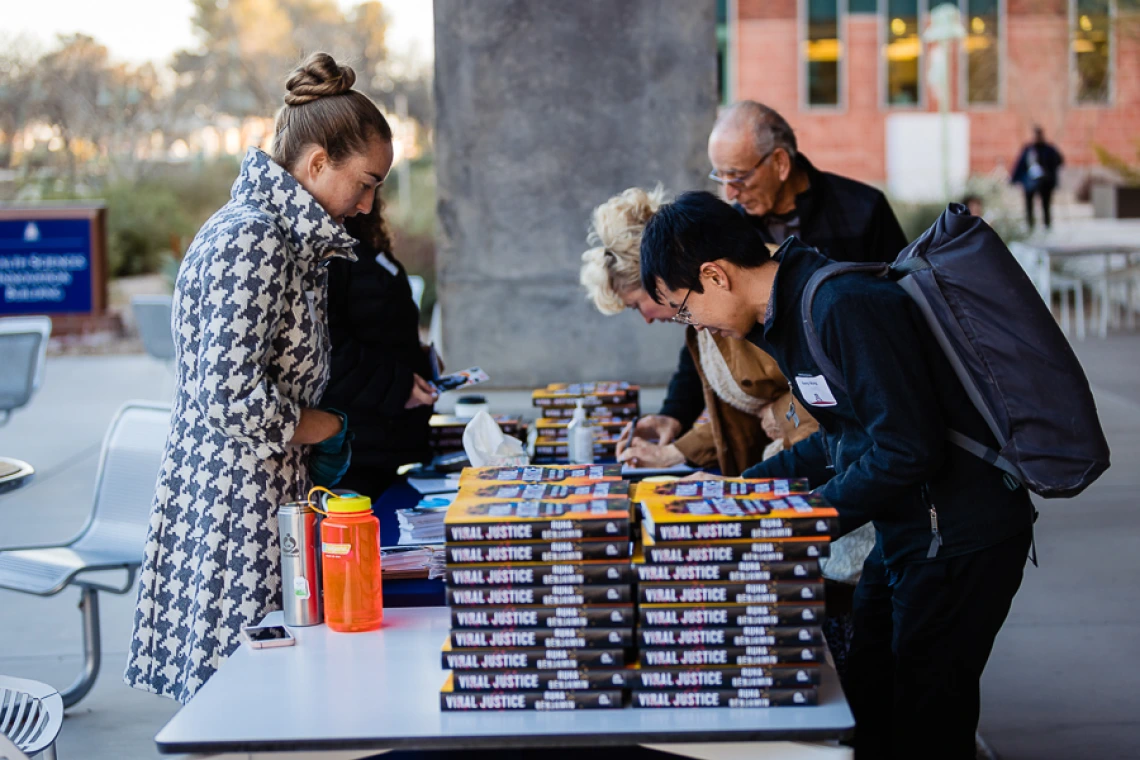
{"points": [[739, 382]]}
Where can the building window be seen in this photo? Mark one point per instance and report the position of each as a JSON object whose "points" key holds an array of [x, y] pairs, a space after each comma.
{"points": [[1091, 23], [823, 53], [903, 53], [982, 51]]}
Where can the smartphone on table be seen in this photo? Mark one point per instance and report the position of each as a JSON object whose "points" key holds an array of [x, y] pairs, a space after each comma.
{"points": [[267, 636]]}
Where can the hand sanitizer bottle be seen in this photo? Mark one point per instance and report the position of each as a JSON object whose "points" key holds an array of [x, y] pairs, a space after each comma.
{"points": [[580, 438]]}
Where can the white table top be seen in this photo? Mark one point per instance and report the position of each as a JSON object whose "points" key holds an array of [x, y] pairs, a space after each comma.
{"points": [[380, 690]]}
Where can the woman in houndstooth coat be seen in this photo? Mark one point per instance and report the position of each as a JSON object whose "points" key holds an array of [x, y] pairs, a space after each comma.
{"points": [[252, 359]]}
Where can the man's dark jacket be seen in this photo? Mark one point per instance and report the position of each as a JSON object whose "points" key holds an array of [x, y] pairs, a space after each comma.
{"points": [[845, 219], [374, 327], [882, 445]]}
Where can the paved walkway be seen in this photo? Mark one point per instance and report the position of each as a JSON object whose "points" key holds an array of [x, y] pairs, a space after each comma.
{"points": [[1061, 682]]}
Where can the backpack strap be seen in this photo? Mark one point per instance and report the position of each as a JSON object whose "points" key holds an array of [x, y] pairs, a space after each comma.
{"points": [[831, 373], [822, 275]]}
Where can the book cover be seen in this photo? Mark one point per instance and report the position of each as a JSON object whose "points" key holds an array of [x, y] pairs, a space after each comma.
{"points": [[739, 572], [539, 596], [470, 519], [543, 551], [682, 657], [746, 677], [542, 638], [547, 491], [569, 475], [540, 680], [543, 617], [529, 659], [729, 616], [572, 573], [689, 552], [730, 593], [671, 519], [738, 488], [747, 636], [726, 698], [453, 701]]}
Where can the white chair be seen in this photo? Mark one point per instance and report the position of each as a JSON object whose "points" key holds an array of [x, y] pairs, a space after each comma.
{"points": [[23, 345], [31, 715], [152, 317], [112, 540]]}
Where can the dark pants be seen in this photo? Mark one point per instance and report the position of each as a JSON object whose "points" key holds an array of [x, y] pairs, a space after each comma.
{"points": [[1045, 190], [923, 633]]}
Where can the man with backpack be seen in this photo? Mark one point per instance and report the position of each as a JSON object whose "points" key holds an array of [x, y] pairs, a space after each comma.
{"points": [[953, 530]]}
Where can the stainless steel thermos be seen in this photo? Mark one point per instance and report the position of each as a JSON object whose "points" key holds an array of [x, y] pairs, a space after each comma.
{"points": [[300, 579]]}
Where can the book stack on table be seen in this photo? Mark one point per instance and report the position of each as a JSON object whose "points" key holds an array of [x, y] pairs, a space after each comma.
{"points": [[540, 587], [610, 406], [730, 595], [446, 436]]}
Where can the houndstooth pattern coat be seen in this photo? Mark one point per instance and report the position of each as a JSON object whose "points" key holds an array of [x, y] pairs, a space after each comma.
{"points": [[252, 349]]}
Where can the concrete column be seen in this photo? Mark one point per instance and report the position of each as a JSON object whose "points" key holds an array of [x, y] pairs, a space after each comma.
{"points": [[544, 109]]}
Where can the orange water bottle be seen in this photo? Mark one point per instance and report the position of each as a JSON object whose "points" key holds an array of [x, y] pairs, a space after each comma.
{"points": [[350, 563]]}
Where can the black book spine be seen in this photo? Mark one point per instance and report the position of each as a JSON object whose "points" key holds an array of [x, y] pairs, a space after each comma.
{"points": [[758, 529], [729, 593], [739, 572], [543, 617], [540, 680], [729, 637], [531, 700], [576, 574], [741, 551], [727, 698], [568, 529], [545, 552], [533, 638], [532, 659], [730, 616], [681, 657], [542, 596], [758, 677]]}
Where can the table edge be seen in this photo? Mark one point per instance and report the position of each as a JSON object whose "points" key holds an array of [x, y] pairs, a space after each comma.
{"points": [[507, 741]]}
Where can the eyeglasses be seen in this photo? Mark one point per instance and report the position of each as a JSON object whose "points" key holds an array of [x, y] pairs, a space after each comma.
{"points": [[683, 317], [742, 178]]}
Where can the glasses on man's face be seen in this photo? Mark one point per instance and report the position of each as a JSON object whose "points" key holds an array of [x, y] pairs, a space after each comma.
{"points": [[683, 317], [736, 179]]}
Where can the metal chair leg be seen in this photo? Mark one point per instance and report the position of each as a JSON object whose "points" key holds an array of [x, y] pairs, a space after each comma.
{"points": [[92, 649], [49, 753]]}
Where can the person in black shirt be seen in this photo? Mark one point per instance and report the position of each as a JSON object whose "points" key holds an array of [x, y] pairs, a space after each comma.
{"points": [[1036, 171], [766, 178], [379, 368], [952, 534]]}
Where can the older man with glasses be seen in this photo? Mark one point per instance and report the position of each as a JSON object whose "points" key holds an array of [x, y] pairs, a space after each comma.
{"points": [[762, 173]]}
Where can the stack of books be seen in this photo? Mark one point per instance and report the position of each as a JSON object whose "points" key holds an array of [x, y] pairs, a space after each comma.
{"points": [[447, 431], [730, 595], [540, 587], [610, 406]]}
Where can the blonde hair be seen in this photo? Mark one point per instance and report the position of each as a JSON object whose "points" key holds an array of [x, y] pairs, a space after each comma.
{"points": [[321, 108], [613, 265]]}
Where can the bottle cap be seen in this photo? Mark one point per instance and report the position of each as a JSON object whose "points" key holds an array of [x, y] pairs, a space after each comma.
{"points": [[348, 503]]}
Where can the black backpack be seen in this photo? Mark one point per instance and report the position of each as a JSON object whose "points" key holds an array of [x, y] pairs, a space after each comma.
{"points": [[1005, 347]]}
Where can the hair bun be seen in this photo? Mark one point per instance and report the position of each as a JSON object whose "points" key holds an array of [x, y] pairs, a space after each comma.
{"points": [[318, 77]]}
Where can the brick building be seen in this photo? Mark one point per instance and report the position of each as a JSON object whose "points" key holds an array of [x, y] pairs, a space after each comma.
{"points": [[838, 70]]}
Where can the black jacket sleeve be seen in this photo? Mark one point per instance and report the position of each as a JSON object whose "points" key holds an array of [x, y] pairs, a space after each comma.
{"points": [[806, 459], [365, 374], [685, 398]]}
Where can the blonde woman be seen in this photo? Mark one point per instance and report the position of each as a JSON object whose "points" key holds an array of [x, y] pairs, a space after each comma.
{"points": [[252, 360], [739, 385]]}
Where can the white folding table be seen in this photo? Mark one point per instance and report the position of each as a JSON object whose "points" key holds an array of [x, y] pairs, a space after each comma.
{"points": [[345, 696]]}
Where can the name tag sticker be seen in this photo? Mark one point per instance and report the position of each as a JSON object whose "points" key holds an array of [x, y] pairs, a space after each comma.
{"points": [[815, 391]]}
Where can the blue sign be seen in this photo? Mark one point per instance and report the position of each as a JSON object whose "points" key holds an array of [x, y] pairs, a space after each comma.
{"points": [[45, 266]]}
